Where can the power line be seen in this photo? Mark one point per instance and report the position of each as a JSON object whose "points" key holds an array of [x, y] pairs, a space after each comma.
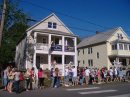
{"points": [[75, 18], [63, 14]]}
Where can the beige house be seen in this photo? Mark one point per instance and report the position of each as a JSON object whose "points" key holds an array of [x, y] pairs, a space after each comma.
{"points": [[105, 49], [49, 43]]}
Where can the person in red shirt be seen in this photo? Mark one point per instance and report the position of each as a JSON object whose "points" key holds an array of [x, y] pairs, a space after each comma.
{"points": [[41, 78]]}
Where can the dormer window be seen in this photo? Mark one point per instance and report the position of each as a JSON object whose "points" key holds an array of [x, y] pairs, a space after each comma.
{"points": [[52, 25]]}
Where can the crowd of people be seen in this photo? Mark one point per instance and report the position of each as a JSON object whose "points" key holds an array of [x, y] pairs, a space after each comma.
{"points": [[95, 76], [15, 80]]}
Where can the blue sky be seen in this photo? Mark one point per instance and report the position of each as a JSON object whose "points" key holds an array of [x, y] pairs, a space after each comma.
{"points": [[107, 13]]}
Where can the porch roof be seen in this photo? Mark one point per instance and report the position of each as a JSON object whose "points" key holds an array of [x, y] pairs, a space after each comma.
{"points": [[49, 31]]}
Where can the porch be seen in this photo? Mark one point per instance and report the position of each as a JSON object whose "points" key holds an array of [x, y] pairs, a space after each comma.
{"points": [[46, 61], [120, 61]]}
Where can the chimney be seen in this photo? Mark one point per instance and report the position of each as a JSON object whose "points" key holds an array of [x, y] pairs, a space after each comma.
{"points": [[97, 32]]}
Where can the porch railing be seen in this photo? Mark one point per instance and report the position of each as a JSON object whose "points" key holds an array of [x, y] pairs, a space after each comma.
{"points": [[41, 46], [69, 48], [56, 47], [120, 52]]}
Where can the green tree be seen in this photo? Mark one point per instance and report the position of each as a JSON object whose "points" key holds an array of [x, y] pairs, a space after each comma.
{"points": [[16, 23], [78, 40]]}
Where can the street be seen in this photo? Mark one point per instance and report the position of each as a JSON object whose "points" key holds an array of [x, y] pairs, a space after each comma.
{"points": [[103, 90]]}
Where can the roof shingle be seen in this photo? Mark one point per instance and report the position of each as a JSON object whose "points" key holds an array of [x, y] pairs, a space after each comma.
{"points": [[98, 38]]}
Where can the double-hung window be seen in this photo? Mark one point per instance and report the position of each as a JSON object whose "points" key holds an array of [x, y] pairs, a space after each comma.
{"points": [[52, 25]]}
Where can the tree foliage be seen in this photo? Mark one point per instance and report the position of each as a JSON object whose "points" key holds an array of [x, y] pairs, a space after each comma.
{"points": [[16, 23]]}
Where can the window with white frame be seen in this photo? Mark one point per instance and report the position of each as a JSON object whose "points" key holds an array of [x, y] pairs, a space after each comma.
{"points": [[52, 25], [49, 24], [125, 47], [120, 36], [90, 50], [90, 62], [114, 46], [83, 51], [83, 61], [121, 46]]}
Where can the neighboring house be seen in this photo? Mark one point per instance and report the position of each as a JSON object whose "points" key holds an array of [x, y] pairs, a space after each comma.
{"points": [[105, 49], [49, 43]]}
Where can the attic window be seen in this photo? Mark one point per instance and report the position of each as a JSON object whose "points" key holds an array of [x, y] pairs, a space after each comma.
{"points": [[119, 36], [52, 25], [49, 24]]}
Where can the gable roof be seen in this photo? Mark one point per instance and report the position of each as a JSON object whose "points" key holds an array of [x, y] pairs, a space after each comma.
{"points": [[98, 38], [46, 19]]}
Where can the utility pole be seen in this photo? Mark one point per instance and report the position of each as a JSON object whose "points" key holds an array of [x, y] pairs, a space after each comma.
{"points": [[2, 21]]}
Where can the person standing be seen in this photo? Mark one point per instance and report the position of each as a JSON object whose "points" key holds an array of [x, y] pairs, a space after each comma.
{"points": [[57, 78], [32, 79], [74, 78], [11, 79], [66, 78], [111, 74], [99, 76], [87, 74], [5, 77], [22, 81], [17, 80], [41, 78], [27, 78]]}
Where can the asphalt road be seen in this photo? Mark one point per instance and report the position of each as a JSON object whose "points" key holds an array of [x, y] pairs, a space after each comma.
{"points": [[103, 90]]}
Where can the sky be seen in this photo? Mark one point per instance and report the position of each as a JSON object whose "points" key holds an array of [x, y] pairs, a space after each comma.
{"points": [[85, 16]]}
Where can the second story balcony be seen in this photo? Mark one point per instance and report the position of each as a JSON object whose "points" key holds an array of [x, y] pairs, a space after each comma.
{"points": [[120, 49], [120, 52], [47, 42]]}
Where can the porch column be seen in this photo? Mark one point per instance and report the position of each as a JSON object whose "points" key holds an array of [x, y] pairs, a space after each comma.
{"points": [[49, 52], [63, 44], [34, 60], [34, 54], [75, 56], [117, 46], [63, 56], [63, 64], [49, 62]]}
